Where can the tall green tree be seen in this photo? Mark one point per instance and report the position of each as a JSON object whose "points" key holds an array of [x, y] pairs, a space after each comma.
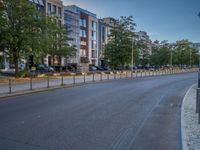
{"points": [[57, 40], [118, 51], [20, 24]]}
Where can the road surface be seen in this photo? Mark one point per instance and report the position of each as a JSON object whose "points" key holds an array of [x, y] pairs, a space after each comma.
{"points": [[139, 114]]}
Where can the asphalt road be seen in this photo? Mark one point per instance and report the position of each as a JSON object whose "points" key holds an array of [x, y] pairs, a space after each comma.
{"points": [[139, 114]]}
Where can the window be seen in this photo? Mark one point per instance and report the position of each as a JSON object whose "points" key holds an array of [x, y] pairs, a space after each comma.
{"points": [[83, 22], [94, 45], [59, 12], [94, 54], [82, 33], [49, 9], [94, 26], [54, 9], [83, 52], [94, 35]]}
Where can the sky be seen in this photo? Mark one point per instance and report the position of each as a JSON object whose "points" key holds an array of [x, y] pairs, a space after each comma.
{"points": [[170, 20]]}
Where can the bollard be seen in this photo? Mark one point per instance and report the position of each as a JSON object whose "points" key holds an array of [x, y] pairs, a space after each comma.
{"points": [[93, 77], [31, 83], [131, 73], [121, 75], [101, 76], [108, 76], [47, 81], [10, 86], [197, 100], [84, 78], [62, 81], [74, 79], [126, 74], [141, 73], [136, 74], [115, 75]]}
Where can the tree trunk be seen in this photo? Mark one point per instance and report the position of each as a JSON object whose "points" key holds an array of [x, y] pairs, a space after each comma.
{"points": [[16, 62]]}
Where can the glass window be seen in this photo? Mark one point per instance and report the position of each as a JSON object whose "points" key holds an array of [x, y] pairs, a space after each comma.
{"points": [[94, 26], [94, 45], [94, 35], [83, 22], [82, 33], [54, 9], [59, 12], [49, 9]]}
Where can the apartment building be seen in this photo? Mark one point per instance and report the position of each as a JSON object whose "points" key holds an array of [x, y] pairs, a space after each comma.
{"points": [[55, 8], [88, 33], [104, 27], [71, 22]]}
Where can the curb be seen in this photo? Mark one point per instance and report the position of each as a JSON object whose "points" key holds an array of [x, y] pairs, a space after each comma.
{"points": [[184, 137]]}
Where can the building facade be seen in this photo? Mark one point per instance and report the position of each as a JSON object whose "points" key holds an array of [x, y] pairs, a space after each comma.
{"points": [[86, 41], [71, 22], [104, 30], [55, 8]]}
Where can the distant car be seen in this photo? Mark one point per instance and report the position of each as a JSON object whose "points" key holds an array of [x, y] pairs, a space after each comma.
{"points": [[43, 68]]}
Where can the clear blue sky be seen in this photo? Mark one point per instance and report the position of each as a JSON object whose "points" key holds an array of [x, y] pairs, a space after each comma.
{"points": [[163, 19]]}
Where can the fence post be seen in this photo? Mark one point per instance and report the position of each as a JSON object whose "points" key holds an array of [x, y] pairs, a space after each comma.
{"points": [[93, 77], [115, 75], [74, 79], [101, 76], [84, 78], [47, 81], [31, 83], [62, 81], [136, 74], [10, 86], [131, 73]]}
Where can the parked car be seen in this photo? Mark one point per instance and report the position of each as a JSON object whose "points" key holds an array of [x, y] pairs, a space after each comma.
{"points": [[43, 68]]}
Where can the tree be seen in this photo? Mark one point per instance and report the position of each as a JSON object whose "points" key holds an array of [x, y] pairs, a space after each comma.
{"points": [[20, 24], [27, 32], [118, 49], [57, 40]]}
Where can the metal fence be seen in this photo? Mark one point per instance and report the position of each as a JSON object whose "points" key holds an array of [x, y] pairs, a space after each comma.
{"points": [[11, 85]]}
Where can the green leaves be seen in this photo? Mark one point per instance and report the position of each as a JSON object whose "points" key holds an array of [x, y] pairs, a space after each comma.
{"points": [[118, 51], [25, 31]]}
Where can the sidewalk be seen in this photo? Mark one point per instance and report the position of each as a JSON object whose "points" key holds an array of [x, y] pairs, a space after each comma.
{"points": [[12, 86], [189, 121]]}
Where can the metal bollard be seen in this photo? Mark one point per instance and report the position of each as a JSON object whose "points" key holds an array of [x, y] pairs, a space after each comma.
{"points": [[115, 75], [93, 77], [31, 83], [131, 74], [101, 76], [126, 74], [74, 79], [141, 73], [62, 81], [136, 74], [10, 86], [47, 81], [197, 100], [121, 75], [84, 78], [108, 76]]}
